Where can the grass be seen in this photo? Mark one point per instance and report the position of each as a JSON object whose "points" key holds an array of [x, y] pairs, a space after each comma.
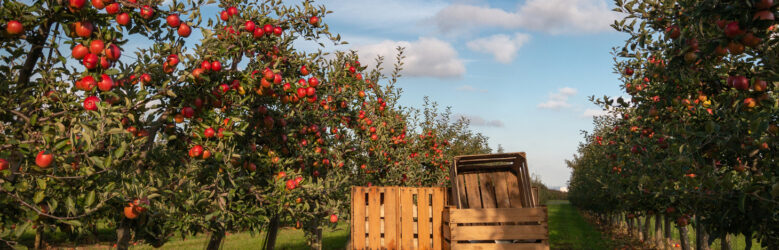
{"points": [[569, 230], [288, 238]]}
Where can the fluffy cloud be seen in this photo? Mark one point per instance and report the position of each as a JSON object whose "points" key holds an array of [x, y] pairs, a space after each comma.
{"points": [[593, 113], [475, 120], [502, 47], [469, 88], [551, 16], [426, 57], [558, 99]]}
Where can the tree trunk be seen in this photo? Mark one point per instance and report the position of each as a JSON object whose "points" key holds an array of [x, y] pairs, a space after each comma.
{"points": [[724, 242], [317, 241], [748, 241], [701, 237], [122, 236], [685, 241], [215, 241], [647, 220], [273, 230], [658, 237], [39, 241], [667, 230]]}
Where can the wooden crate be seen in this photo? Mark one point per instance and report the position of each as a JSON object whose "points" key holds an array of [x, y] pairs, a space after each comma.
{"points": [[491, 181], [495, 228], [397, 217]]}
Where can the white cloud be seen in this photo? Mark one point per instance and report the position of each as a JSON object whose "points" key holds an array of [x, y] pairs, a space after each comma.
{"points": [[426, 57], [469, 88], [550, 16], [475, 120], [594, 112], [558, 99], [503, 47]]}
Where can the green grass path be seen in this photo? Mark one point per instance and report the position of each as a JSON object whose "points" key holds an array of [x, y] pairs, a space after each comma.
{"points": [[569, 230]]}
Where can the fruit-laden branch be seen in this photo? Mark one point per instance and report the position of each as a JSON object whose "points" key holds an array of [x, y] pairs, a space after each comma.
{"points": [[86, 213], [67, 177]]}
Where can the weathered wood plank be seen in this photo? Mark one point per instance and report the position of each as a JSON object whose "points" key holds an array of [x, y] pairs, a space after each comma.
{"points": [[391, 218], [472, 188], [503, 232], [501, 190], [491, 246], [423, 205], [463, 198], [497, 215], [358, 218], [487, 187], [374, 218], [512, 183], [406, 220], [438, 208]]}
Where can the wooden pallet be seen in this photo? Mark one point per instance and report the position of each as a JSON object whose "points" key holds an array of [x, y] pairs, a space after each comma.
{"points": [[495, 228], [397, 217]]}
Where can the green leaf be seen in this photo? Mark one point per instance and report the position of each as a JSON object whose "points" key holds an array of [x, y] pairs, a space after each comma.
{"points": [[120, 151], [41, 184], [38, 196], [74, 223], [90, 198], [23, 228], [111, 72], [70, 205]]}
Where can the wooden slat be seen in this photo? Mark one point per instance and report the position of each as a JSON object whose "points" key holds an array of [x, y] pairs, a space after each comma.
{"points": [[512, 185], [358, 218], [374, 218], [462, 168], [535, 196], [391, 218], [487, 190], [504, 232], [510, 246], [481, 156], [527, 192], [438, 208], [494, 215], [406, 220], [501, 191], [423, 206], [463, 198], [454, 198], [472, 188]]}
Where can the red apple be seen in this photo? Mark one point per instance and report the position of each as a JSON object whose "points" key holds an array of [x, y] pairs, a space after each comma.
{"points": [[750, 102], [173, 20], [79, 51], [303, 70], [98, 4], [314, 20], [764, 15], [209, 132], [313, 82], [232, 11], [113, 9], [732, 30], [741, 83], [764, 4], [628, 71], [196, 151], [75, 5], [277, 31], [184, 30], [4, 164], [224, 15], [90, 61], [90, 103], [249, 26], [106, 83], [87, 83], [104, 63], [112, 52], [216, 66], [146, 12], [205, 65], [84, 29], [290, 184], [759, 85], [258, 32], [310, 91], [43, 160], [173, 60], [268, 29], [14, 27], [673, 31], [188, 112], [96, 47], [123, 19], [333, 218]]}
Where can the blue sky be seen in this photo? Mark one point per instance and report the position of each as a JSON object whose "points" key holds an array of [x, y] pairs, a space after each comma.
{"points": [[523, 71]]}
